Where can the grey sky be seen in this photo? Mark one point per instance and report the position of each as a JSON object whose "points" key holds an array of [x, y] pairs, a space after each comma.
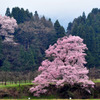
{"points": [[63, 10]]}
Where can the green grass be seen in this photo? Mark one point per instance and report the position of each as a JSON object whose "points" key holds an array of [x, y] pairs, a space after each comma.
{"points": [[96, 81], [23, 83], [37, 98], [15, 85]]}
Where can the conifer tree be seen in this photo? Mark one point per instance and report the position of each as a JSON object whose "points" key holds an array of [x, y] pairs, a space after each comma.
{"points": [[60, 31], [8, 12]]}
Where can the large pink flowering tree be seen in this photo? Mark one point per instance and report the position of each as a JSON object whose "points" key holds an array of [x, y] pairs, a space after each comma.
{"points": [[7, 25], [66, 66]]}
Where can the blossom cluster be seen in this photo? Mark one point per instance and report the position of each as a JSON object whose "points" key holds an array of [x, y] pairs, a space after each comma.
{"points": [[7, 25], [67, 66]]}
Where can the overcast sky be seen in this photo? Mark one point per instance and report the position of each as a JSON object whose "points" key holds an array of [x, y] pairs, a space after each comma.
{"points": [[63, 10]]}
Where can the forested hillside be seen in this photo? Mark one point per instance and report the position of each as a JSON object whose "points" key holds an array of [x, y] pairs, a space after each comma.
{"points": [[88, 28], [24, 50]]}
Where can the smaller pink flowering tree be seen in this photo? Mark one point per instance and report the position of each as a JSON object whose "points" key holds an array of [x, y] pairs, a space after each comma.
{"points": [[66, 66], [7, 25]]}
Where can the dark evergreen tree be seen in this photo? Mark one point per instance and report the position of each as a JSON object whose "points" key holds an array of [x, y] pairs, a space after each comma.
{"points": [[6, 66], [8, 12], [21, 15], [15, 14], [60, 31], [36, 17]]}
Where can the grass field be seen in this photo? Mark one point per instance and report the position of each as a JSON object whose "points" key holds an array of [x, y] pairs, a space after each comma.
{"points": [[15, 85], [96, 81], [21, 84], [35, 98]]}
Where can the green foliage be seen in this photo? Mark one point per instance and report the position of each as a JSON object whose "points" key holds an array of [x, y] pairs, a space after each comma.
{"points": [[21, 15], [60, 31], [6, 66], [33, 36], [27, 60], [10, 57], [8, 12], [88, 29]]}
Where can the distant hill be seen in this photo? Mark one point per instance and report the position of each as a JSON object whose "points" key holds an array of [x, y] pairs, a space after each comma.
{"points": [[25, 49], [34, 35]]}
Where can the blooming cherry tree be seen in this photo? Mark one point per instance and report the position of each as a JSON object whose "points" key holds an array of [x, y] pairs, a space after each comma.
{"points": [[65, 67], [7, 25]]}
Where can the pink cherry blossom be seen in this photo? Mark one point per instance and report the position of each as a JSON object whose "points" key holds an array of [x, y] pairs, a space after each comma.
{"points": [[7, 25], [67, 66]]}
